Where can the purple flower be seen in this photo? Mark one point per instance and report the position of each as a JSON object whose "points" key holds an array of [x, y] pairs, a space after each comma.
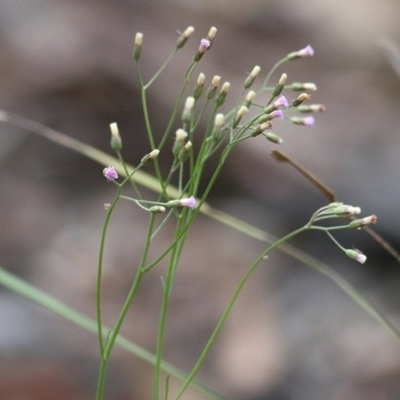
{"points": [[281, 102], [308, 51], [306, 121], [277, 114], [204, 45], [309, 121], [189, 202], [110, 173]]}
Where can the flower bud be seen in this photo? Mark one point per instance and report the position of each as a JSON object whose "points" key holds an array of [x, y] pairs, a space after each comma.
{"points": [[116, 141], [279, 87], [204, 46], [217, 131], [184, 37], [306, 52], [299, 86], [261, 128], [137, 50], [150, 156], [180, 137], [242, 111], [343, 210], [213, 87], [211, 33], [187, 202], [185, 151], [157, 209], [198, 89], [306, 121], [358, 223], [273, 138], [311, 108], [220, 99], [251, 78], [300, 99], [188, 110], [356, 255], [249, 98]]}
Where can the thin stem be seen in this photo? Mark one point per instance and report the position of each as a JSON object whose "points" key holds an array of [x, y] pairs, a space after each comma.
{"points": [[225, 315], [99, 272], [114, 333], [163, 314]]}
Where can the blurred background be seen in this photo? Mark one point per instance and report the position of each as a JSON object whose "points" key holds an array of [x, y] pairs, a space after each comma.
{"points": [[293, 335]]}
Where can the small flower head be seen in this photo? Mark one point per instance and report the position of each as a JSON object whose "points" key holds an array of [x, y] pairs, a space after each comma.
{"points": [[273, 138], [279, 87], [188, 202], [198, 89], [204, 45], [213, 87], [116, 141], [243, 110], [154, 154], [137, 50], [110, 173], [356, 255], [219, 120], [139, 39], [358, 223], [277, 114], [200, 79], [217, 131], [282, 79], [308, 51], [180, 137], [281, 102], [184, 37], [215, 81], [185, 151], [188, 110], [211, 33], [150, 156], [311, 108], [306, 121], [343, 210], [250, 79], [249, 98], [300, 99], [300, 86], [261, 128], [157, 209], [220, 99]]}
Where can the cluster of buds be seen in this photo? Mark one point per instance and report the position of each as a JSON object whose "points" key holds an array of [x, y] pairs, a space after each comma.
{"points": [[340, 210], [180, 148]]}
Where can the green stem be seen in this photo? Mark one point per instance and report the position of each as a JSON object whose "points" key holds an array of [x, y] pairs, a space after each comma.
{"points": [[114, 333], [99, 272], [163, 313], [225, 315]]}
